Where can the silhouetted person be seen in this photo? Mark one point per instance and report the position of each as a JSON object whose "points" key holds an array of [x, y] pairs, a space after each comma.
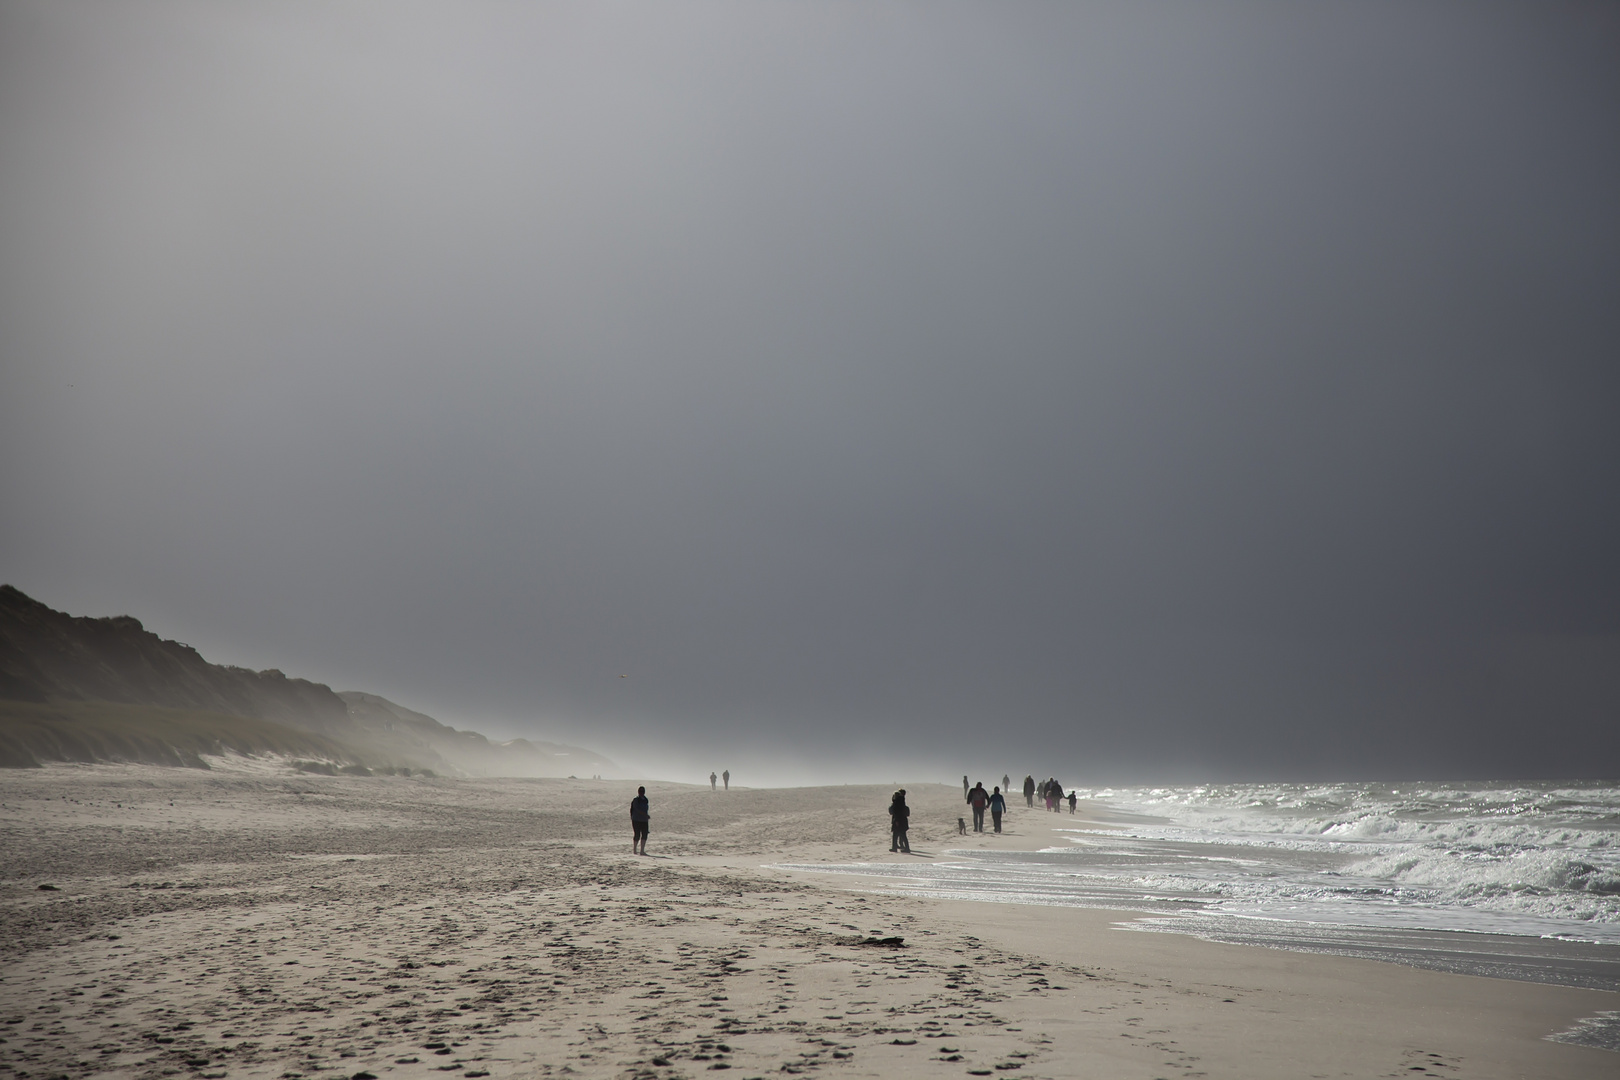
{"points": [[1071, 801], [712, 779], [964, 789], [978, 799], [725, 778], [639, 820], [899, 822], [998, 806], [1006, 782], [1029, 790]]}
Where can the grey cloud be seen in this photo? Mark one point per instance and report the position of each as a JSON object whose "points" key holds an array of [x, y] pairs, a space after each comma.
{"points": [[1207, 389]]}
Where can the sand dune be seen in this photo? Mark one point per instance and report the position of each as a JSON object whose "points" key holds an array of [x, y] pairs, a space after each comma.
{"points": [[85, 690], [242, 924]]}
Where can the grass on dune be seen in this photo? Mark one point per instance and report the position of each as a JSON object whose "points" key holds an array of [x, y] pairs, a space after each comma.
{"points": [[32, 734]]}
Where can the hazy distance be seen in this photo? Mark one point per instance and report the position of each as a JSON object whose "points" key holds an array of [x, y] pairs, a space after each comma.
{"points": [[841, 391]]}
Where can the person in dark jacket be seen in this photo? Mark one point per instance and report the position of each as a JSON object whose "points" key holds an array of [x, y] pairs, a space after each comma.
{"points": [[639, 821], [1029, 790], [978, 798], [899, 822]]}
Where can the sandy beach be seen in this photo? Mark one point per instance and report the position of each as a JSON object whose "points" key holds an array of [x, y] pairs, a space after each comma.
{"points": [[246, 922]]}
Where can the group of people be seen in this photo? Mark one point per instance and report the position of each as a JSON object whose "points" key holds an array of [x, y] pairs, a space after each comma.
{"points": [[979, 800], [995, 802], [899, 813], [1051, 793]]}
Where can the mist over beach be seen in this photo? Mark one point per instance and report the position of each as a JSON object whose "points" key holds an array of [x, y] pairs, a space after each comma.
{"points": [[1226, 395], [423, 426]]}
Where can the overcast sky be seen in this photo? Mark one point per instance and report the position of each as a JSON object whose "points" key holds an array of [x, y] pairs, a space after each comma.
{"points": [[1145, 390]]}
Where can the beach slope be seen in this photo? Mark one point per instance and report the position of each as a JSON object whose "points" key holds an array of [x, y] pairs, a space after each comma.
{"points": [[246, 922]]}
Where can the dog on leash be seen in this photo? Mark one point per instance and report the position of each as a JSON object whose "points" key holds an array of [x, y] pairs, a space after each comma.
{"points": [[961, 826]]}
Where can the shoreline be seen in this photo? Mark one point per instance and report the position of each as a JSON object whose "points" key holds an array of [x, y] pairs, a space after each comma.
{"points": [[1519, 957], [258, 927]]}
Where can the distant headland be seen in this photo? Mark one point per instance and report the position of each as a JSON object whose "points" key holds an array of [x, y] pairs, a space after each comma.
{"points": [[76, 689]]}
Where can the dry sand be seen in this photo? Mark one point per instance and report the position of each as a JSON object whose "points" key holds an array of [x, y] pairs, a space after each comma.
{"points": [[247, 923]]}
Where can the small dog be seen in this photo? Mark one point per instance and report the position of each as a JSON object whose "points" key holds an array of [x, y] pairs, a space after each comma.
{"points": [[961, 826]]}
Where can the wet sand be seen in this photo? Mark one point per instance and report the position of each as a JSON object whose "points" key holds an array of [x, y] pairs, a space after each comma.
{"points": [[246, 923]]}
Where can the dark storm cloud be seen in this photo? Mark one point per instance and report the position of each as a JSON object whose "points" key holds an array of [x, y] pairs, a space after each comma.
{"points": [[1160, 390]]}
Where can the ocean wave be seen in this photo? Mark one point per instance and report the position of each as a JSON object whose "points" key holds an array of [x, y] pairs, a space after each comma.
{"points": [[1548, 852]]}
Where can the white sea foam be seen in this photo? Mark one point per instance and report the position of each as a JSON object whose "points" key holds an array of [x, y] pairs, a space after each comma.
{"points": [[1527, 860], [1463, 856]]}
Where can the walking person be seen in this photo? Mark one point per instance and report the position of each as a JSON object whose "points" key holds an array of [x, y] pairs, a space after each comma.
{"points": [[725, 778], [1006, 782], [899, 822], [712, 779], [964, 789], [998, 806], [639, 821], [1029, 790], [978, 799], [1072, 800]]}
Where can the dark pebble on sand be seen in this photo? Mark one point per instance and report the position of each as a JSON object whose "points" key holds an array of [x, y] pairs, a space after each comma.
{"points": [[363, 1076], [406, 1061], [904, 1042], [49, 888]]}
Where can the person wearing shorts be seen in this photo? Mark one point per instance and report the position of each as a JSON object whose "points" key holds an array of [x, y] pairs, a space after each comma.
{"points": [[639, 820]]}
